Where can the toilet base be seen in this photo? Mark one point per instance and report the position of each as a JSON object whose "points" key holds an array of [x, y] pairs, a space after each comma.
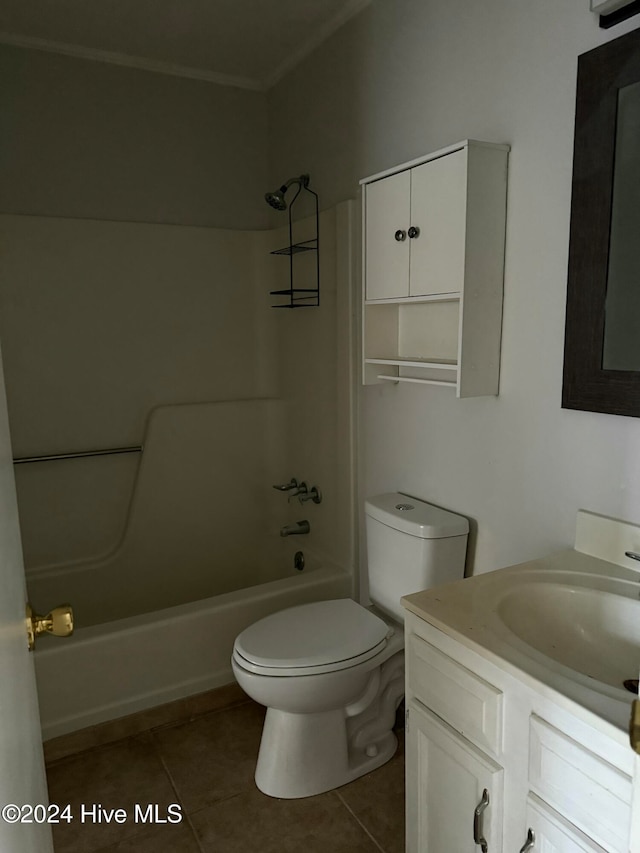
{"points": [[306, 754]]}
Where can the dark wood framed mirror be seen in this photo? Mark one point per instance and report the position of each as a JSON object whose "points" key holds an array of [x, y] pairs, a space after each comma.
{"points": [[602, 332]]}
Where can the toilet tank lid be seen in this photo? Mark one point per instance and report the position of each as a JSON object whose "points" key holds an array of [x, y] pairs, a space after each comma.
{"points": [[415, 517]]}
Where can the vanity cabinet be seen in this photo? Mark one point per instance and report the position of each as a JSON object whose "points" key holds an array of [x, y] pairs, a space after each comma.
{"points": [[548, 830], [433, 236], [449, 780], [490, 755]]}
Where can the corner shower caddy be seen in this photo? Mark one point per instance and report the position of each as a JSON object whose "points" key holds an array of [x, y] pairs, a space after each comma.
{"points": [[300, 297]]}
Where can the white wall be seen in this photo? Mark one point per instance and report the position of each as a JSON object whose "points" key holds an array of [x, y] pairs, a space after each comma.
{"points": [[91, 140], [407, 77]]}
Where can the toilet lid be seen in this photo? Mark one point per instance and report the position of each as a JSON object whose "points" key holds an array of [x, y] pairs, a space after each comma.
{"points": [[313, 635]]}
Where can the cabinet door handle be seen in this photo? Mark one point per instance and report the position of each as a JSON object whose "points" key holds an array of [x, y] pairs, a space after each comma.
{"points": [[400, 235], [478, 837], [413, 232], [529, 843]]}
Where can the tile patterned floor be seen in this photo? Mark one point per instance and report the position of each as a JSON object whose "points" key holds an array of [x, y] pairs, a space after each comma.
{"points": [[206, 766]]}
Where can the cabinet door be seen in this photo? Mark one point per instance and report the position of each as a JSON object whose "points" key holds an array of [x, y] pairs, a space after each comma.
{"points": [[554, 834], [438, 210], [387, 259], [446, 778]]}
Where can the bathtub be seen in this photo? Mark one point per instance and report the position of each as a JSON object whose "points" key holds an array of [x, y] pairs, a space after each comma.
{"points": [[116, 668]]}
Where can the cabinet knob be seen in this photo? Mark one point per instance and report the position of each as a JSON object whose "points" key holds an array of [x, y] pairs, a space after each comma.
{"points": [[413, 232], [400, 235]]}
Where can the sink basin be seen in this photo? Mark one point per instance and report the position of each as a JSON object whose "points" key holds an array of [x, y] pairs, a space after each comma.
{"points": [[591, 631], [569, 622]]}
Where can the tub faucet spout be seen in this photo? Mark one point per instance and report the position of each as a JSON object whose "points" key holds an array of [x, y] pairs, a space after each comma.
{"points": [[296, 529]]}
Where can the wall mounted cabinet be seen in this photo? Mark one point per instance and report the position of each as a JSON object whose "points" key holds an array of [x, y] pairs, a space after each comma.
{"points": [[433, 239]]}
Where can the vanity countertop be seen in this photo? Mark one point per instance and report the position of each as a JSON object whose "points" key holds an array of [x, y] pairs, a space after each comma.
{"points": [[568, 658]]}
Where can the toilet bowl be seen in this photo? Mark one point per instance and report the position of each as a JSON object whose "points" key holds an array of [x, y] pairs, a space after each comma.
{"points": [[331, 675]]}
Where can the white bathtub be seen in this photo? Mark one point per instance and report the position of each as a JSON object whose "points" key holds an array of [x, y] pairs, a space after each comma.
{"points": [[117, 668]]}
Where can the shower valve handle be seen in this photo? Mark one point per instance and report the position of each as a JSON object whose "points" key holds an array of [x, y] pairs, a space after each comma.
{"points": [[314, 494], [301, 489], [286, 487]]}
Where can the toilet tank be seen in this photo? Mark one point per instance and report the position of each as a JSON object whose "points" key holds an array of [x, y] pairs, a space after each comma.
{"points": [[411, 545]]}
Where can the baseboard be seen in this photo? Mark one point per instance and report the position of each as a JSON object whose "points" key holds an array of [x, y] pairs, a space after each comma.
{"points": [[128, 724]]}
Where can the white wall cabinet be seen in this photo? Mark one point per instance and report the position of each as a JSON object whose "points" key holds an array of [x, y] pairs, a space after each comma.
{"points": [[433, 266], [555, 782], [415, 230]]}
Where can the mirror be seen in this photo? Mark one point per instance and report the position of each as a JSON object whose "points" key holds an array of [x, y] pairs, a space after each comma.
{"points": [[602, 333], [621, 348]]}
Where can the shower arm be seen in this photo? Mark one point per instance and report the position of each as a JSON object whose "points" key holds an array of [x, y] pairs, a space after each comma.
{"points": [[302, 180]]}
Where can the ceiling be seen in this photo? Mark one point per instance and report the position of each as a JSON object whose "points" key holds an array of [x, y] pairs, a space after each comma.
{"points": [[246, 43]]}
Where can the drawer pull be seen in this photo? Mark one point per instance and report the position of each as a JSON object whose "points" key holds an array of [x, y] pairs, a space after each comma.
{"points": [[529, 843], [478, 837]]}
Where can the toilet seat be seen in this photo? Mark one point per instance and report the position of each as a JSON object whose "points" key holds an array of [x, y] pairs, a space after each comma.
{"points": [[325, 636]]}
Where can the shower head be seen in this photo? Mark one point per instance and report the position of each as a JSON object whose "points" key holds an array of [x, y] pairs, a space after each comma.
{"points": [[276, 199]]}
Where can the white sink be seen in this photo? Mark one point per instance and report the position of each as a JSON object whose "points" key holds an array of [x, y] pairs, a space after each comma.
{"points": [[569, 621], [593, 632]]}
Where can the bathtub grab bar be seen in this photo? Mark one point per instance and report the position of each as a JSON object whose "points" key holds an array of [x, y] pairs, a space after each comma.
{"points": [[19, 460]]}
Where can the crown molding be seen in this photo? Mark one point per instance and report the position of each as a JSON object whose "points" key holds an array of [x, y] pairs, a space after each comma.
{"points": [[159, 67], [128, 61], [322, 34]]}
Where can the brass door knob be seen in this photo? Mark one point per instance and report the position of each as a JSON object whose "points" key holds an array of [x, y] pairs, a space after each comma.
{"points": [[634, 726], [58, 622]]}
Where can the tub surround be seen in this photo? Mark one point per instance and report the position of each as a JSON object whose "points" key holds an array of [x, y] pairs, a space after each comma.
{"points": [[189, 378], [202, 482]]}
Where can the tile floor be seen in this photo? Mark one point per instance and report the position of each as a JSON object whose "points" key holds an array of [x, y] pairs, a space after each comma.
{"points": [[206, 766]]}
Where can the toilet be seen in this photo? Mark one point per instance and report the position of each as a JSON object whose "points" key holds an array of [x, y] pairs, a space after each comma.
{"points": [[331, 673]]}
